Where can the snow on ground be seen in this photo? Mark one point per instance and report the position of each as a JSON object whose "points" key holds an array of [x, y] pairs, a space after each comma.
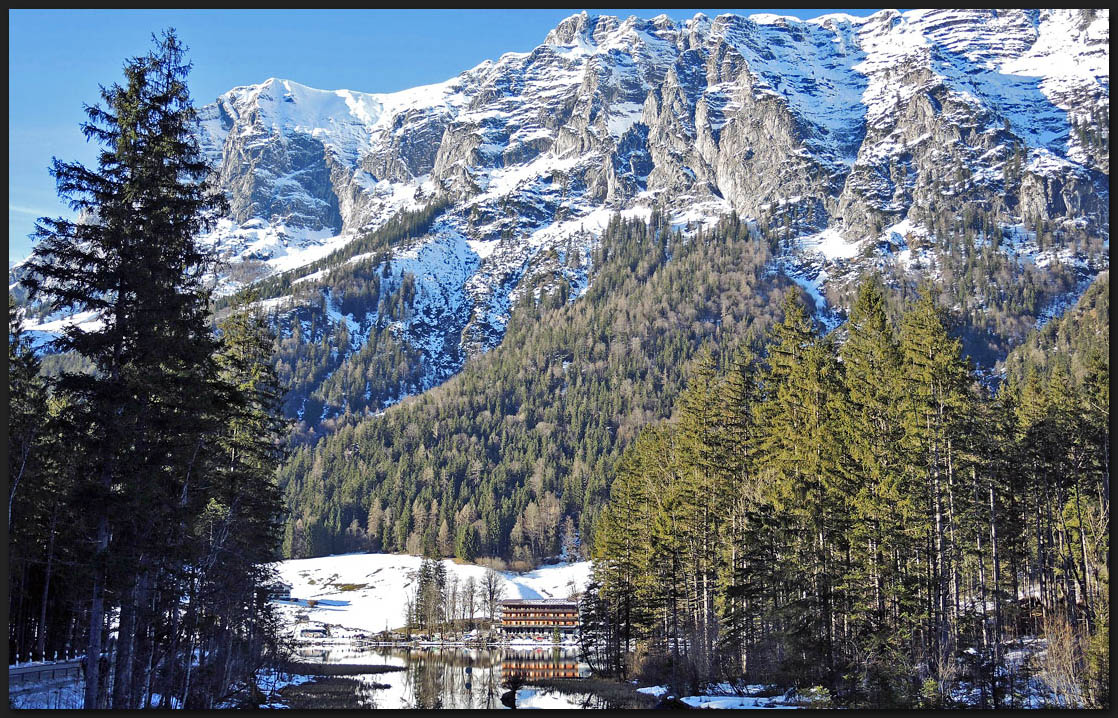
{"points": [[811, 278], [368, 593], [87, 321], [281, 246], [739, 702], [70, 696], [721, 696], [271, 681], [830, 243]]}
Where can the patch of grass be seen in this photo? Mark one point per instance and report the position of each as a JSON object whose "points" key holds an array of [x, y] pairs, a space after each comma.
{"points": [[321, 694], [351, 586]]}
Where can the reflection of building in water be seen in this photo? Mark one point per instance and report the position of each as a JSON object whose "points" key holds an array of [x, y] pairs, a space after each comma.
{"points": [[317, 654], [539, 617], [540, 664]]}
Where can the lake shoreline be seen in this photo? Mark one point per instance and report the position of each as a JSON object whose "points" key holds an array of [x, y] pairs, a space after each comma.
{"points": [[335, 691], [325, 692], [406, 676], [620, 694], [308, 668]]}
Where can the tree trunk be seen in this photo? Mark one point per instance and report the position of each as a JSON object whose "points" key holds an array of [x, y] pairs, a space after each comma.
{"points": [[93, 677], [953, 549], [191, 623], [1083, 553], [42, 643], [997, 597], [25, 452], [126, 635]]}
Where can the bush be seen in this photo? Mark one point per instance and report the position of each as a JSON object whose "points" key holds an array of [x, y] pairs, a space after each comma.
{"points": [[816, 697], [497, 564]]}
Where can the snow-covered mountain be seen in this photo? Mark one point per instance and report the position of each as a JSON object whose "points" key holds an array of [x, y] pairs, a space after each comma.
{"points": [[847, 134], [843, 117]]}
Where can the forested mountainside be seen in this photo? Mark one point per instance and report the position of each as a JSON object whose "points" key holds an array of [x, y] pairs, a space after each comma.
{"points": [[970, 146], [1077, 343], [392, 237], [512, 456], [797, 329]]}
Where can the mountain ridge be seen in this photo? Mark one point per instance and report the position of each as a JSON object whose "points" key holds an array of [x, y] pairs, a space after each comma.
{"points": [[850, 138]]}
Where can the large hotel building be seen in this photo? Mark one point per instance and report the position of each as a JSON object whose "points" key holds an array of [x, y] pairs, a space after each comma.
{"points": [[539, 617]]}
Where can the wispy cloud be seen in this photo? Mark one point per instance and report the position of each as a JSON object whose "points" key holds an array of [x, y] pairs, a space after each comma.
{"points": [[19, 209]]}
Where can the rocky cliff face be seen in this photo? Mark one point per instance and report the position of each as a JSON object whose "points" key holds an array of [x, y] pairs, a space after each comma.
{"points": [[848, 135], [838, 120]]}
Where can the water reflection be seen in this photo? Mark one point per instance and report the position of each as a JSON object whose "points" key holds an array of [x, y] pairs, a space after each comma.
{"points": [[542, 663], [452, 677]]}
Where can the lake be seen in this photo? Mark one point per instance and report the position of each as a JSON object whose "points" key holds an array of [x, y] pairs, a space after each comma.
{"points": [[456, 677]]}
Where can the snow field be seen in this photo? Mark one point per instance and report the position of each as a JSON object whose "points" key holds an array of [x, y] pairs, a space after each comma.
{"points": [[367, 593]]}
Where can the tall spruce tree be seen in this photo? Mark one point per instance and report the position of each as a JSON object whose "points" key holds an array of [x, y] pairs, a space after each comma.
{"points": [[704, 493], [936, 398], [741, 495], [236, 536], [802, 472], [870, 428], [132, 260], [623, 542]]}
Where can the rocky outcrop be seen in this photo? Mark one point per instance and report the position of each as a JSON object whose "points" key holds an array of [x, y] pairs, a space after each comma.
{"points": [[850, 129]]}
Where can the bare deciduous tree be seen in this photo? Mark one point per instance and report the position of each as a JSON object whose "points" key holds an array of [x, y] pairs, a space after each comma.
{"points": [[493, 589], [1062, 663]]}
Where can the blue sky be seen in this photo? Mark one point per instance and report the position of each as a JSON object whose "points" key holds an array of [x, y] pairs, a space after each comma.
{"points": [[57, 59]]}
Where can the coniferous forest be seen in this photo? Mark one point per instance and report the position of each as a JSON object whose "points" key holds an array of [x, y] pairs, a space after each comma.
{"points": [[863, 516], [142, 504]]}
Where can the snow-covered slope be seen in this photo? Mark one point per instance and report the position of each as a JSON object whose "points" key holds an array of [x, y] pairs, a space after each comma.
{"points": [[839, 123], [369, 592], [619, 112], [847, 134]]}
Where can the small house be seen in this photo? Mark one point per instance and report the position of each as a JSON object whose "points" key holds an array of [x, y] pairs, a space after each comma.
{"points": [[279, 591]]}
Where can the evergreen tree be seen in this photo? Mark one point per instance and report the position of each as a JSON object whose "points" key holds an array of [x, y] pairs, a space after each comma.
{"points": [[42, 522], [132, 260], [704, 496], [870, 425], [936, 398], [741, 394], [27, 404], [804, 481]]}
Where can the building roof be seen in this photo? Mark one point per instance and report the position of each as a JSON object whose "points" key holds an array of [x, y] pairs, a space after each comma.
{"points": [[538, 602]]}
